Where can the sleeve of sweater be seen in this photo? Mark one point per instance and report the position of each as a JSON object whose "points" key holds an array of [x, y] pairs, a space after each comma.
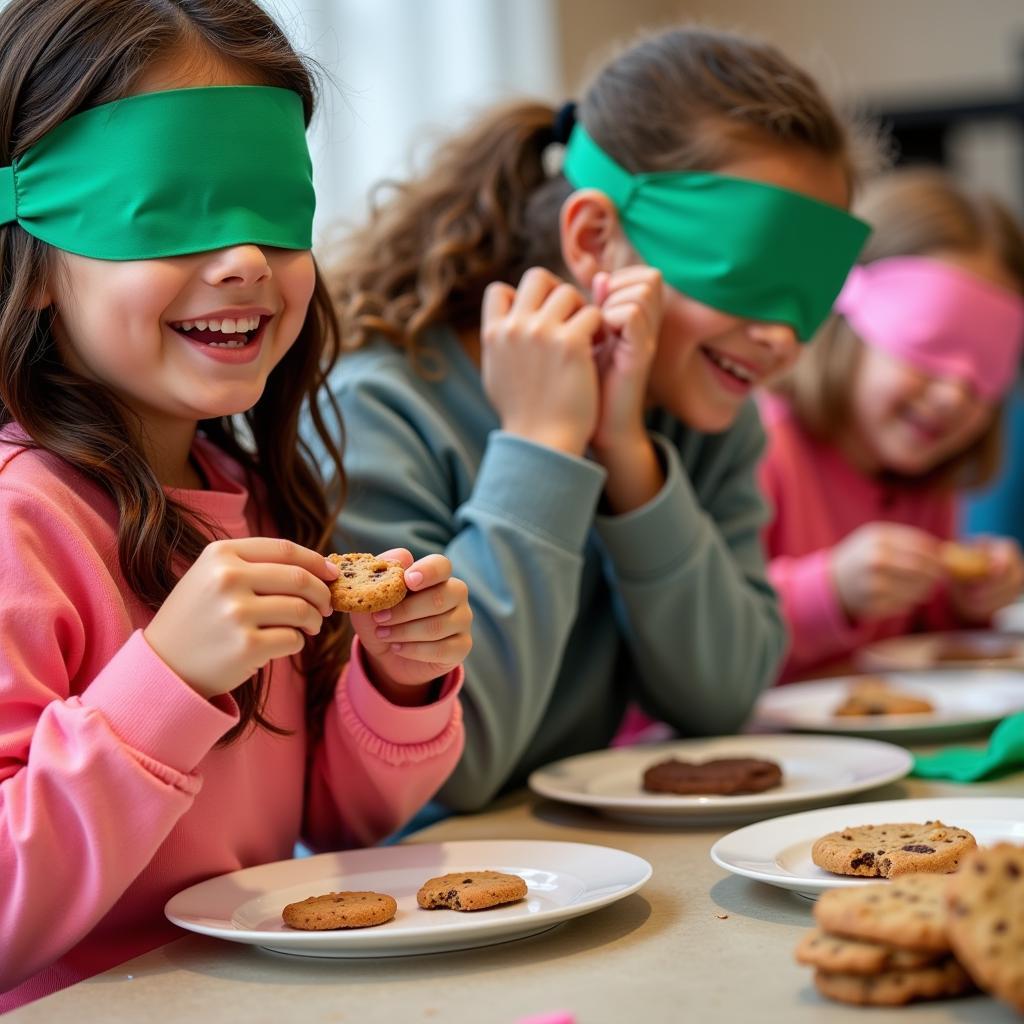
{"points": [[818, 627], [73, 763], [701, 620], [517, 540], [378, 763]]}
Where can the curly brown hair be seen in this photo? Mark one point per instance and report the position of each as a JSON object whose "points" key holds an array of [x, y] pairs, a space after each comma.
{"points": [[918, 211], [59, 57], [487, 209]]}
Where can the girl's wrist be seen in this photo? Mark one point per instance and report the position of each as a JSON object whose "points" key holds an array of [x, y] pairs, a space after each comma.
{"points": [[559, 440], [403, 695], [635, 473]]}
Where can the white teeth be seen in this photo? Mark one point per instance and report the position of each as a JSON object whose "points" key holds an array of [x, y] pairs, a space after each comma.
{"points": [[734, 368], [225, 325]]}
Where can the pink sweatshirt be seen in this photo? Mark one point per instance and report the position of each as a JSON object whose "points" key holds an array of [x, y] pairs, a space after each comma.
{"points": [[819, 498], [113, 793]]}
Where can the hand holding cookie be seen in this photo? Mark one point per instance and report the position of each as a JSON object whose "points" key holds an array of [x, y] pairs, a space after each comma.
{"points": [[424, 636], [883, 569], [242, 603], [976, 597]]}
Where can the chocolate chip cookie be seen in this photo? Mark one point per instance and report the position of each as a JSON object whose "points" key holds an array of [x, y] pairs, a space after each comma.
{"points": [[366, 583]]}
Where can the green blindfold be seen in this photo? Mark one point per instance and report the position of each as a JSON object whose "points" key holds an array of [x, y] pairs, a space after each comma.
{"points": [[168, 173], [750, 249]]}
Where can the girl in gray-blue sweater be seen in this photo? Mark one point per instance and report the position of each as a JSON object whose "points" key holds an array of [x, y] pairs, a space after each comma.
{"points": [[548, 381]]}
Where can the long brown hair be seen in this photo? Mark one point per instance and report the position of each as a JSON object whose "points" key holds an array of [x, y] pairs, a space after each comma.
{"points": [[913, 212], [59, 57], [487, 209]]}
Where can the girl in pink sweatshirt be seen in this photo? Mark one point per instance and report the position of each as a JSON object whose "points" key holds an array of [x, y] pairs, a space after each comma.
{"points": [[176, 699], [893, 410]]}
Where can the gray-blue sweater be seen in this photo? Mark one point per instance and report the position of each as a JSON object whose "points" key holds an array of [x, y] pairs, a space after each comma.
{"points": [[575, 612]]}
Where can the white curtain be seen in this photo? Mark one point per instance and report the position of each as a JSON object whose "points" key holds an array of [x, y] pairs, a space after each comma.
{"points": [[401, 73]]}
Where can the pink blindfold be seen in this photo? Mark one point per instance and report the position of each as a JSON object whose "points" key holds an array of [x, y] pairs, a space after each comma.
{"points": [[939, 318]]}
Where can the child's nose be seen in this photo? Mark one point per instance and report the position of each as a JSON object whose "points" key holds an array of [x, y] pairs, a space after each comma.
{"points": [[238, 264], [952, 392], [780, 337]]}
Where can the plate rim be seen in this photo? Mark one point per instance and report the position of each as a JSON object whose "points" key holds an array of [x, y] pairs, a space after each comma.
{"points": [[878, 649], [474, 934], [880, 726], [743, 804], [977, 805]]}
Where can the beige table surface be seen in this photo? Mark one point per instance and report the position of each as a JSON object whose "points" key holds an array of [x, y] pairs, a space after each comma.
{"points": [[695, 944]]}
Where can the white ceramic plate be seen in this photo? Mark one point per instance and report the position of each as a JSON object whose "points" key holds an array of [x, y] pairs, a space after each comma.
{"points": [[779, 851], [965, 703], [814, 770], [967, 649], [563, 880]]}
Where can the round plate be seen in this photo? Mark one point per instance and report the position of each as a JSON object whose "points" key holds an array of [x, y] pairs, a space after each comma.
{"points": [[965, 649], [813, 770], [563, 881], [965, 703], [779, 851]]}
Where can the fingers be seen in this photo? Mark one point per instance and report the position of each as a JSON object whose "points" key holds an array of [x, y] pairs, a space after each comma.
{"points": [[585, 322], [561, 304], [280, 642], [283, 552], [534, 287], [435, 600], [287, 611], [401, 555], [430, 629], [442, 653], [498, 298], [427, 572], [289, 580]]}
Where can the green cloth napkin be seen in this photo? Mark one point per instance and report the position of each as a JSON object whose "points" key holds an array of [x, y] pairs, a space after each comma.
{"points": [[1005, 753]]}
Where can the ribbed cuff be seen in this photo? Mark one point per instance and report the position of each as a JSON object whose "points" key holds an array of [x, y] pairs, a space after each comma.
{"points": [[548, 492], [154, 710], [394, 724]]}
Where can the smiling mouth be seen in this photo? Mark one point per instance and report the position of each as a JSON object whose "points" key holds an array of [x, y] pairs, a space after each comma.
{"points": [[222, 332], [742, 373]]}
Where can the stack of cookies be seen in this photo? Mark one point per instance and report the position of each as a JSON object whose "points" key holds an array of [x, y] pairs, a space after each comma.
{"points": [[885, 944], [924, 936]]}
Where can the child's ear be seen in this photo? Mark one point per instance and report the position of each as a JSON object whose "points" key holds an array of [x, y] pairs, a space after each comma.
{"points": [[591, 235]]}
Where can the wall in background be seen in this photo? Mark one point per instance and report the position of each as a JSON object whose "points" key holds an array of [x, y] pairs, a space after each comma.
{"points": [[888, 52]]}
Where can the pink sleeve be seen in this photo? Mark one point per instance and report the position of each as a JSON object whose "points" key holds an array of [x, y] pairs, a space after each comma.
{"points": [[71, 765], [818, 627], [378, 763]]}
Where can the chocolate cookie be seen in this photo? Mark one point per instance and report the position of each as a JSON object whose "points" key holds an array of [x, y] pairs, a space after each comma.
{"points": [[908, 913], [986, 920], [366, 584], [895, 988], [887, 851], [835, 954], [873, 696], [725, 776], [470, 890], [340, 910]]}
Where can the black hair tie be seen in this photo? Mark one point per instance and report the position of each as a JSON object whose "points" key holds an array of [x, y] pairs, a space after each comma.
{"points": [[563, 124]]}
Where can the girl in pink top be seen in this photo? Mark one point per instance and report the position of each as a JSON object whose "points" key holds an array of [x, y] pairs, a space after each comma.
{"points": [[176, 699], [893, 410]]}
